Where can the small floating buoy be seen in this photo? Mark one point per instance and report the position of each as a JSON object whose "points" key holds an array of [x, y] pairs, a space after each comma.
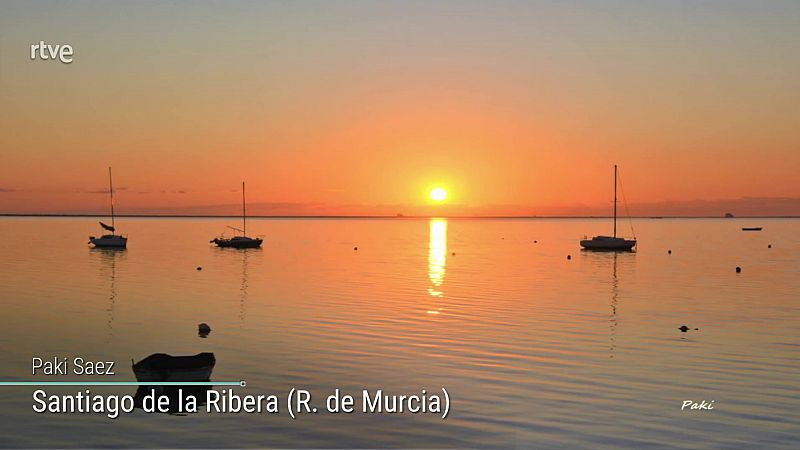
{"points": [[355, 248], [454, 253], [669, 252], [769, 246], [683, 328], [569, 256], [199, 268], [535, 242], [738, 269], [203, 329]]}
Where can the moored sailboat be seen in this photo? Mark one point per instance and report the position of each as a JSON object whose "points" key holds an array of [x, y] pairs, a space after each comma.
{"points": [[111, 240], [610, 243], [241, 241]]}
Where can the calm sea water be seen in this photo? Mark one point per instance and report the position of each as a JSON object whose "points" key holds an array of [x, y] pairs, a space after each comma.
{"points": [[536, 350]]}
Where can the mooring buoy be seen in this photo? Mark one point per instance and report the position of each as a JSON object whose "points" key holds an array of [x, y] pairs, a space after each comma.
{"points": [[203, 329]]}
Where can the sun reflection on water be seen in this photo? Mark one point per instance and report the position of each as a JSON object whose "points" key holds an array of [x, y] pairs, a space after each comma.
{"points": [[437, 258]]}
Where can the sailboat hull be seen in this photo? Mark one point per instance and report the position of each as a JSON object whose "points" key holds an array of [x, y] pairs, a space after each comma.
{"points": [[238, 242], [109, 241], [607, 243]]}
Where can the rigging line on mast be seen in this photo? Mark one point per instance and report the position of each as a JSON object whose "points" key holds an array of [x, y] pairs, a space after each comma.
{"points": [[625, 201]]}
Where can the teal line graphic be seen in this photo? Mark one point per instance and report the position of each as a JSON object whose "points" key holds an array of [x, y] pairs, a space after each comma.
{"points": [[123, 383]]}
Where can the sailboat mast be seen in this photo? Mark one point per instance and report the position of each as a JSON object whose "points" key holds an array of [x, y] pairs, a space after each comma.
{"points": [[615, 200], [244, 214], [111, 192]]}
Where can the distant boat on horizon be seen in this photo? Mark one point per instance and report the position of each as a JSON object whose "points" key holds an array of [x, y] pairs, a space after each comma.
{"points": [[242, 241], [610, 243], [752, 228], [110, 240]]}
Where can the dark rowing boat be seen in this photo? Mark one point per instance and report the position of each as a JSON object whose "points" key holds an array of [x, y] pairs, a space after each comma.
{"points": [[164, 367]]}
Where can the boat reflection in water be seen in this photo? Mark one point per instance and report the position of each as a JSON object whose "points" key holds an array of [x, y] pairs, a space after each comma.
{"points": [[243, 288], [614, 298], [619, 264], [163, 367], [107, 261], [244, 258]]}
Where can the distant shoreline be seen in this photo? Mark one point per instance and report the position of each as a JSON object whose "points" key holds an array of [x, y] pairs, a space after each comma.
{"points": [[233, 216]]}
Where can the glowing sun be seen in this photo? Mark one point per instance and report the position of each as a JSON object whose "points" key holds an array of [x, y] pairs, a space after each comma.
{"points": [[438, 195]]}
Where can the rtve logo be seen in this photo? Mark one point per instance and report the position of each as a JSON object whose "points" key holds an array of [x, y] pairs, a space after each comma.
{"points": [[46, 52]]}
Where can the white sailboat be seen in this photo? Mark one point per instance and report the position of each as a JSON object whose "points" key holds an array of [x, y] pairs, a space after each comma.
{"points": [[112, 240], [612, 243], [240, 241]]}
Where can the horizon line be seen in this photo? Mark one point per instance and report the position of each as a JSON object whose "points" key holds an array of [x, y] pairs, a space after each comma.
{"points": [[377, 216]]}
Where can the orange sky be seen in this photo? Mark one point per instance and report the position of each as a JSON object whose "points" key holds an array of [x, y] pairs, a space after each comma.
{"points": [[361, 108]]}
